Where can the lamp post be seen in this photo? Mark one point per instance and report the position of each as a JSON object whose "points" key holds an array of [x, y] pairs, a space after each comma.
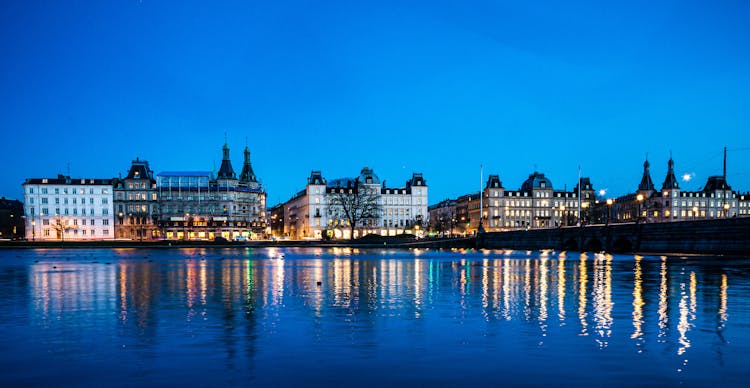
{"points": [[695, 212], [609, 209], [562, 216], [33, 230], [726, 210], [639, 198]]}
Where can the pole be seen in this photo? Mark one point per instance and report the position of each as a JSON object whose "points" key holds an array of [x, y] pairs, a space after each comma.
{"points": [[481, 196], [725, 164], [579, 195]]}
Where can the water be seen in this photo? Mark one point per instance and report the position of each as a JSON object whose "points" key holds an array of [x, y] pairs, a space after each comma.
{"points": [[127, 317]]}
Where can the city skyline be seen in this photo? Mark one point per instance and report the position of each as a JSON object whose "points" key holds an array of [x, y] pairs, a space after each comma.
{"points": [[436, 88]]}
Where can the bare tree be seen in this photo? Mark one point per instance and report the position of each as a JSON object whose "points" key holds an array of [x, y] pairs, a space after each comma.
{"points": [[357, 204], [60, 225]]}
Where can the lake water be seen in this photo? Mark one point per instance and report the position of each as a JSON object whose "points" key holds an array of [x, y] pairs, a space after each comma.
{"points": [[322, 317]]}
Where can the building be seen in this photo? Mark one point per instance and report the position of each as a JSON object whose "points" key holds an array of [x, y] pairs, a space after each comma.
{"points": [[136, 203], [11, 219], [715, 200], [65, 208], [313, 213], [196, 205], [536, 204], [443, 218]]}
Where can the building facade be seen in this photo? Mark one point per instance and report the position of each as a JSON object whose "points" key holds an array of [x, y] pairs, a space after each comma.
{"points": [[136, 203], [196, 205], [536, 204], [12, 226], [716, 199], [313, 214], [65, 208]]}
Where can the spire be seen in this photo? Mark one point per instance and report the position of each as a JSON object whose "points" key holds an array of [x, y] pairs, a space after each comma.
{"points": [[670, 181], [226, 171], [646, 183], [247, 174]]}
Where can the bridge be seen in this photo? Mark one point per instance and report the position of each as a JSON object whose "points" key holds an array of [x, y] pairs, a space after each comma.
{"points": [[716, 236]]}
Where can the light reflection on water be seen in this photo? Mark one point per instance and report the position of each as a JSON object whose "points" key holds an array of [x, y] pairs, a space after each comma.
{"points": [[317, 316]]}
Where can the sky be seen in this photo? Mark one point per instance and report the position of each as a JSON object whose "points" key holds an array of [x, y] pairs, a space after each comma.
{"points": [[437, 87]]}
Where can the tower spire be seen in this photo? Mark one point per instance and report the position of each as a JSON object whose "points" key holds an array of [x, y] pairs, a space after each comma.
{"points": [[226, 171]]}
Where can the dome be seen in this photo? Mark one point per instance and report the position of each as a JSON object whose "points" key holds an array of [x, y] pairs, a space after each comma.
{"points": [[536, 181], [366, 176]]}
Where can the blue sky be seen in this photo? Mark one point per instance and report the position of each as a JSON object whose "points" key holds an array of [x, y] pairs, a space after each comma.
{"points": [[436, 87]]}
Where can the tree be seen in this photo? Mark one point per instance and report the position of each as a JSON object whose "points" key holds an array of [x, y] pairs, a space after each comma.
{"points": [[357, 204], [61, 225]]}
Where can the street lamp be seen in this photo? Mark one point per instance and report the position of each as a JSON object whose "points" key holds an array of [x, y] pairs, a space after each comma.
{"points": [[695, 212], [726, 210], [609, 209], [639, 198], [33, 230], [562, 216]]}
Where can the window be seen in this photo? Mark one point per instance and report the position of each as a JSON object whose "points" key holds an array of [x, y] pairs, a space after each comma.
{"points": [[105, 222], [105, 212], [93, 222], [45, 222]]}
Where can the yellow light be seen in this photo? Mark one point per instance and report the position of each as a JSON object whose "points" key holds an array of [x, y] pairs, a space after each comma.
{"points": [[610, 201], [639, 197]]}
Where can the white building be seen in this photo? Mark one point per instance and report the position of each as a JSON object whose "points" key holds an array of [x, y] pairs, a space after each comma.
{"points": [[66, 208], [309, 213]]}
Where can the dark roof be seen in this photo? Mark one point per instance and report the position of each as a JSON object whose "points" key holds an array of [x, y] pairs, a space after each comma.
{"points": [[646, 183], [316, 178], [247, 174], [670, 181], [226, 171], [367, 176], [66, 180], [494, 182], [585, 184], [139, 169], [716, 183], [536, 181], [416, 180]]}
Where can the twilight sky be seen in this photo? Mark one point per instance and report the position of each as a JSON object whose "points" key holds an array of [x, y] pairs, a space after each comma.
{"points": [[436, 87]]}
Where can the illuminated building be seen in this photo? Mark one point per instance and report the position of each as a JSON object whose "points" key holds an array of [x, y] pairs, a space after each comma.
{"points": [[136, 203], [443, 217], [66, 208], [535, 205], [309, 213], [715, 200], [196, 205]]}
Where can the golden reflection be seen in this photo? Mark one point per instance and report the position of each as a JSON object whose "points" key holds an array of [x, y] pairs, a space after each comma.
{"points": [[485, 282], [723, 315], [683, 326], [543, 288], [582, 279], [506, 289], [637, 301], [527, 288], [603, 297], [561, 287], [123, 292], [693, 301], [663, 301]]}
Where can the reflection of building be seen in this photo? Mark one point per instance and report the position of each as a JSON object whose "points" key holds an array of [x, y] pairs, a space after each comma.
{"points": [[197, 205], [715, 200], [309, 213], [11, 219], [135, 204], [535, 205], [68, 208]]}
